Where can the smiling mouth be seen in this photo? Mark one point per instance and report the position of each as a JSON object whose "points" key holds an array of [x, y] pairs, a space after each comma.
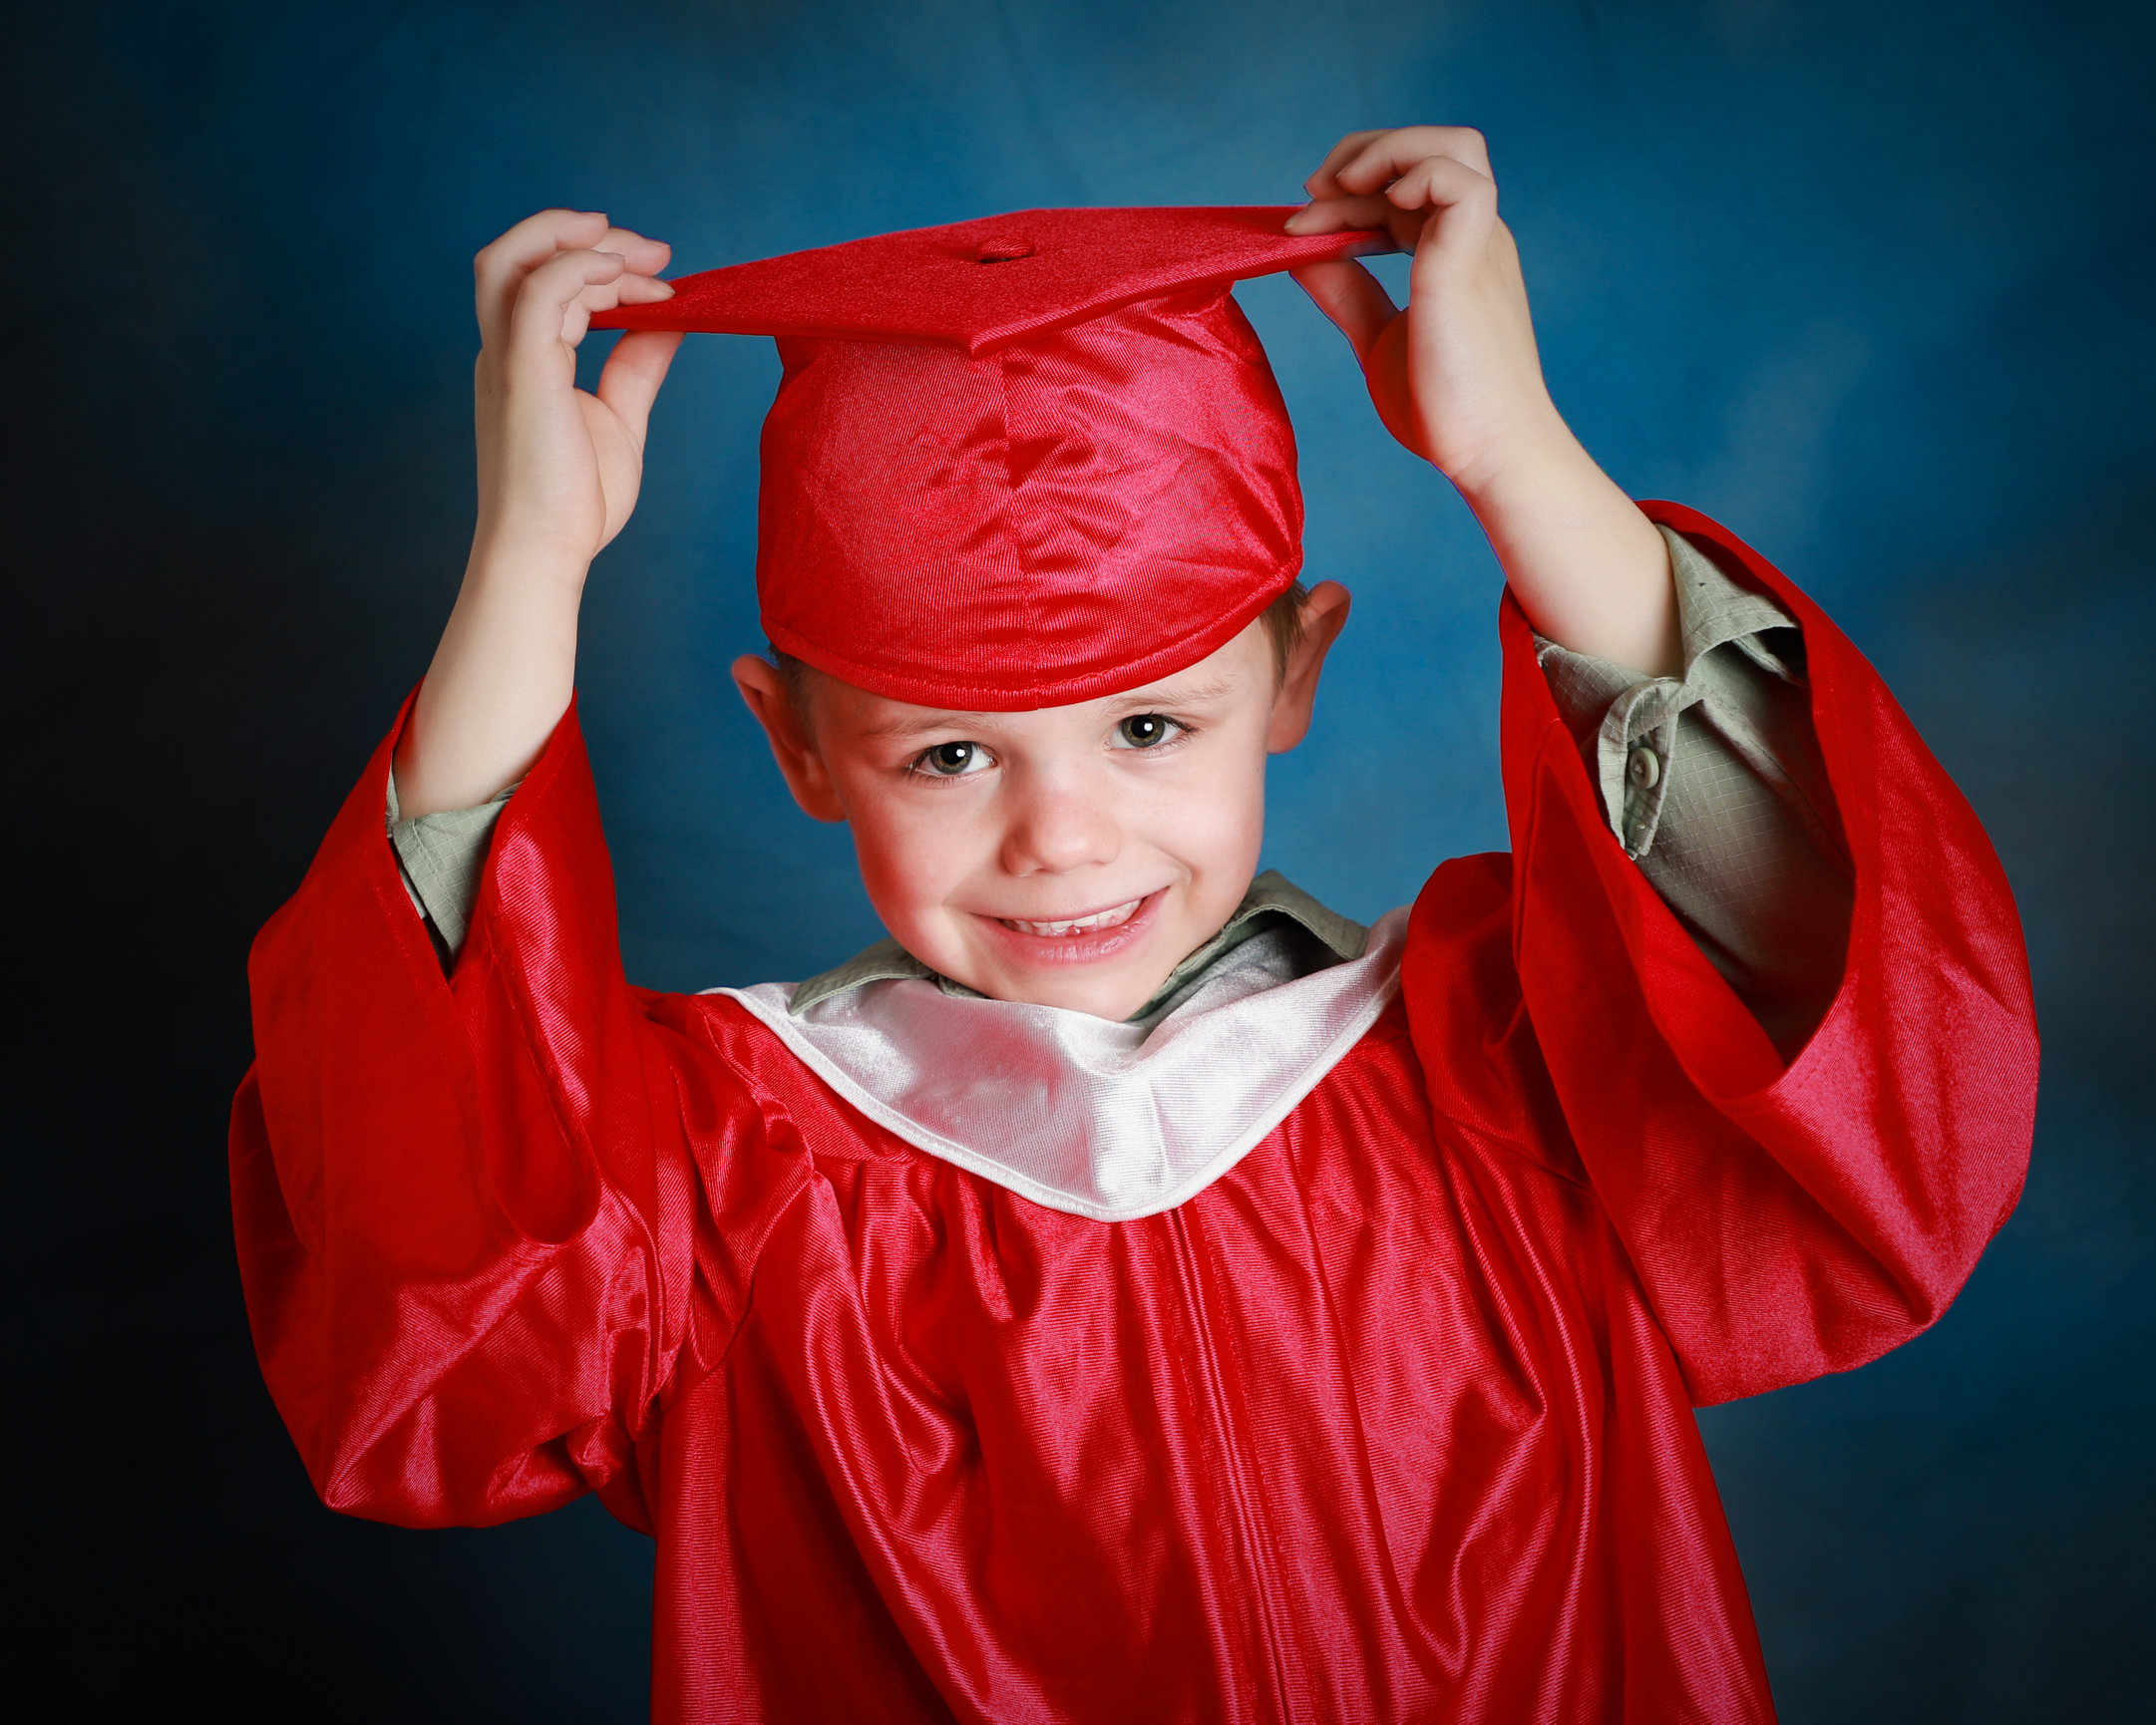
{"points": [[1075, 925]]}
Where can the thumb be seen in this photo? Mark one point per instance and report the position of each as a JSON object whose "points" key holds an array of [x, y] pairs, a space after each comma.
{"points": [[630, 381], [1352, 298]]}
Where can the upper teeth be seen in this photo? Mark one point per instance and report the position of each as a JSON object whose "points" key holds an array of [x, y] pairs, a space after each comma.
{"points": [[1077, 924]]}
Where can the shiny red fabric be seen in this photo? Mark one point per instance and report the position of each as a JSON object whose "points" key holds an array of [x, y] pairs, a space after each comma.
{"points": [[1018, 462], [1046, 524], [982, 284], [1391, 1422]]}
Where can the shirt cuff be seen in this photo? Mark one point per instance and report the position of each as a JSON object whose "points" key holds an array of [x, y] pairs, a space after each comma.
{"points": [[1631, 719], [440, 856]]}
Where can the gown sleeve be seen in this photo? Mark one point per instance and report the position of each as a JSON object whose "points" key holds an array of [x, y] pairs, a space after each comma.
{"points": [[1785, 1218], [471, 1209], [1711, 782]]}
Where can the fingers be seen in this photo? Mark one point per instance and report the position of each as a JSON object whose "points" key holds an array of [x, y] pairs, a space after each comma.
{"points": [[1464, 203], [630, 380], [1324, 182], [1352, 296], [1395, 179], [1439, 183], [554, 303], [501, 269], [1386, 156], [642, 257], [1331, 214]]}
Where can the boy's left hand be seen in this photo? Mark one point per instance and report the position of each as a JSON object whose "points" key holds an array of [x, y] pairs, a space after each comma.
{"points": [[1455, 377]]}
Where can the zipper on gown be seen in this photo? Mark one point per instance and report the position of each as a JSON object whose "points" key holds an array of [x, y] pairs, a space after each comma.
{"points": [[1243, 1488]]}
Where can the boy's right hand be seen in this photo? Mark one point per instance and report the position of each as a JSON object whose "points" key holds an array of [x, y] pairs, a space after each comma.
{"points": [[558, 468]]}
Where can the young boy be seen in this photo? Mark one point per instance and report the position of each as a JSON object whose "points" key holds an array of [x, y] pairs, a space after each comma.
{"points": [[1132, 1291]]}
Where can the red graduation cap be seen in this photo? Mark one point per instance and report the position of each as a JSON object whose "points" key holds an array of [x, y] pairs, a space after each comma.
{"points": [[1018, 462]]}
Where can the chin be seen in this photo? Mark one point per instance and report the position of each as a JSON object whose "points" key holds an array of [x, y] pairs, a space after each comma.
{"points": [[1104, 990], [1102, 998]]}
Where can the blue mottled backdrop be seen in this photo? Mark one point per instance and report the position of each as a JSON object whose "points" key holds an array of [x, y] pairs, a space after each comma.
{"points": [[1867, 282]]}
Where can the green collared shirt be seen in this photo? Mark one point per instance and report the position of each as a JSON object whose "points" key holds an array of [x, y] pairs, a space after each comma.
{"points": [[1272, 903]]}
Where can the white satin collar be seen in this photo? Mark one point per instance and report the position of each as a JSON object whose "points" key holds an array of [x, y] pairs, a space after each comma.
{"points": [[1102, 1120]]}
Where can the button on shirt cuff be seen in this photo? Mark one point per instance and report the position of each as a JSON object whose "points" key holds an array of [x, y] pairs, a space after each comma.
{"points": [[1635, 718]]}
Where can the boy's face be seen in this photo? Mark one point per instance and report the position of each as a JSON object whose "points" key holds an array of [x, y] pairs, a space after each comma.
{"points": [[1068, 856]]}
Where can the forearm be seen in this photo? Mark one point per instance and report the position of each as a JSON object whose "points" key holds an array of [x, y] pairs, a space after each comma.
{"points": [[499, 684], [559, 471], [1589, 570]]}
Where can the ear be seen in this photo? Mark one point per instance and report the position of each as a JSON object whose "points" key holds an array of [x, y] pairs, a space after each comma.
{"points": [[764, 689], [1325, 615]]}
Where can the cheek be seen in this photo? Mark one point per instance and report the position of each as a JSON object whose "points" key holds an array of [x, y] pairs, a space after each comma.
{"points": [[911, 856], [1212, 815]]}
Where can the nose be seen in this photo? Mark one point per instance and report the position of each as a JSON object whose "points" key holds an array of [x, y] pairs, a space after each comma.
{"points": [[1055, 826]]}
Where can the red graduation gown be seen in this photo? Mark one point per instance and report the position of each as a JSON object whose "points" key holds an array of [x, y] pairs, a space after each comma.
{"points": [[1391, 1422]]}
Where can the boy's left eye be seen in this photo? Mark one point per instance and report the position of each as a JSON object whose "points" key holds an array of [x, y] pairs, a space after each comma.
{"points": [[1143, 731], [952, 760]]}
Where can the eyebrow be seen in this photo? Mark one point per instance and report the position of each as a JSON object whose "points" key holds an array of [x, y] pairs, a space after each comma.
{"points": [[1137, 701], [921, 726], [1179, 695]]}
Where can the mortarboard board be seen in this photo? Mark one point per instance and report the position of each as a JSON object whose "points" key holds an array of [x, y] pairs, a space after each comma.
{"points": [[1023, 460]]}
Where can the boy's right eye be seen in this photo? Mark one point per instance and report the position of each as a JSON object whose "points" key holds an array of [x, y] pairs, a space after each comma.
{"points": [[954, 760]]}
